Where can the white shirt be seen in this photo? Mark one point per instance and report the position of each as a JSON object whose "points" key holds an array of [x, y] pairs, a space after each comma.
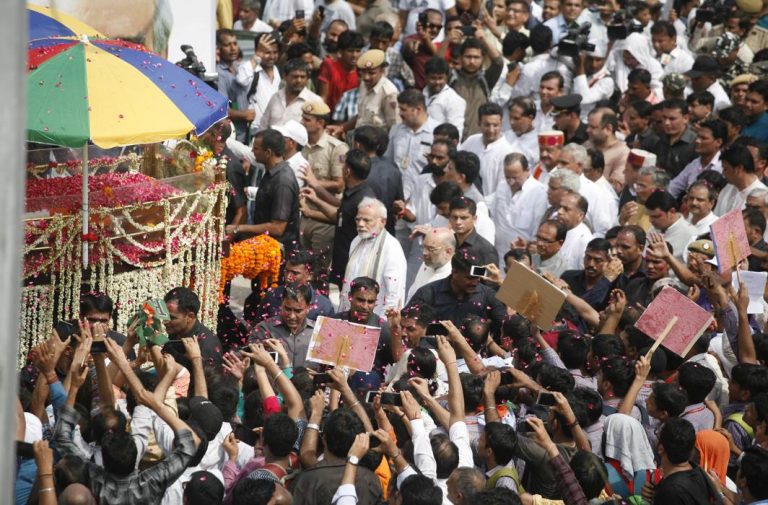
{"points": [[530, 76], [298, 164], [597, 87], [678, 61], [559, 26], [280, 10], [603, 209], [420, 204], [259, 26], [278, 112], [702, 226], [679, 235], [491, 160], [518, 215], [390, 273], [544, 121], [447, 106], [265, 89], [722, 100], [426, 275], [575, 245], [527, 144], [731, 198], [684, 179], [408, 150]]}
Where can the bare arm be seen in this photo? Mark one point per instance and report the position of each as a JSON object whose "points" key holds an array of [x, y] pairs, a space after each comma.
{"points": [[291, 398], [455, 392], [442, 416], [492, 382], [192, 350], [342, 386], [308, 451], [473, 361], [642, 368], [747, 353]]}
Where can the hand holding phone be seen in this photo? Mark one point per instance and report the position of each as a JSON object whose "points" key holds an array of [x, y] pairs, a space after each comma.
{"points": [[387, 398], [434, 329], [477, 271]]}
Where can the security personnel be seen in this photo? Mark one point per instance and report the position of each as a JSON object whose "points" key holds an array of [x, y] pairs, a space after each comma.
{"points": [[567, 112], [326, 155], [377, 96]]}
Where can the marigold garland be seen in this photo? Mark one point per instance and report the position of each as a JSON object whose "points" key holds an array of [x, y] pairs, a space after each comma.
{"points": [[255, 258]]}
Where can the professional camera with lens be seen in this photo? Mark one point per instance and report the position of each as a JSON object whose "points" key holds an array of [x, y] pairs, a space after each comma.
{"points": [[190, 63], [575, 41], [712, 11], [620, 27]]}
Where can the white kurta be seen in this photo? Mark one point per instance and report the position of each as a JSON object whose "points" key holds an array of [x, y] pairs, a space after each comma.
{"points": [[731, 198], [518, 215], [491, 160], [575, 245], [603, 209], [428, 274]]}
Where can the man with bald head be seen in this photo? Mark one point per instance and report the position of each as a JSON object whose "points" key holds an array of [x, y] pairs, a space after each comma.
{"points": [[76, 494], [437, 250]]}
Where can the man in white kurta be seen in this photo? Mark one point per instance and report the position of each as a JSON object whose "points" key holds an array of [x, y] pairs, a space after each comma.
{"points": [[375, 253], [438, 248], [573, 209], [491, 147]]}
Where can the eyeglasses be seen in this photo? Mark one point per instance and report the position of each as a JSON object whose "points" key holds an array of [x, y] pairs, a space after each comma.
{"points": [[434, 26]]}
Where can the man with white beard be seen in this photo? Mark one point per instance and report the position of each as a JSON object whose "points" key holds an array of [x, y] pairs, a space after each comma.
{"points": [[375, 253], [437, 250]]}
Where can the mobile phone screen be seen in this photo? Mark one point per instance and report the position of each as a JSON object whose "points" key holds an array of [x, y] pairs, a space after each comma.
{"points": [[434, 329], [477, 271]]}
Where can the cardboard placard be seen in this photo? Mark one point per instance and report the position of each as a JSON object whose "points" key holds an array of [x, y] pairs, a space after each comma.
{"points": [[341, 343], [730, 239], [531, 295], [673, 318]]}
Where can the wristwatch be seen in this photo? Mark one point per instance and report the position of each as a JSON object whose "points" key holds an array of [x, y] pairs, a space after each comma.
{"points": [[353, 460]]}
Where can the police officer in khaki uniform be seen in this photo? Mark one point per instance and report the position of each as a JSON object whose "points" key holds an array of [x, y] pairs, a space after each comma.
{"points": [[326, 156], [377, 100]]}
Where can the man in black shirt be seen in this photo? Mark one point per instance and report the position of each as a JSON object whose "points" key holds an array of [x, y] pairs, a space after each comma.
{"points": [[330, 209], [676, 148], [462, 218], [215, 139], [593, 283], [276, 206], [567, 112], [183, 307]]}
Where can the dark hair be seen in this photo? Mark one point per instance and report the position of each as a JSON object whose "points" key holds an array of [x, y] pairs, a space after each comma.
{"points": [[560, 229], [223, 32], [739, 156], [760, 87], [297, 292], [421, 363], [463, 203], [590, 472], [734, 115], [95, 301], [340, 429], [273, 140], [471, 43], [599, 245], [368, 137], [670, 398], [664, 27], [365, 283], [185, 299], [448, 130], [751, 377], [606, 345], [642, 107], [297, 50], [223, 392], [526, 104], [592, 401], [472, 387], [489, 109], [754, 468], [446, 455], [516, 328], [445, 192], [419, 489], [661, 200], [350, 39], [520, 158], [436, 65], [106, 421], [554, 378], [620, 372], [498, 495], [253, 492], [581, 203], [755, 219], [118, 450], [359, 164], [517, 254], [639, 76], [573, 348], [412, 97], [678, 438], [475, 329], [280, 434], [596, 160], [468, 164], [70, 469], [713, 178], [502, 440], [676, 103], [717, 127], [514, 41], [607, 118], [381, 30], [703, 97], [295, 64], [541, 38], [551, 75]]}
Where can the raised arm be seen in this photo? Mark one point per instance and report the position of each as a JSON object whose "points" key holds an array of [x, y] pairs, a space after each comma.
{"points": [[439, 413], [291, 398], [103, 379], [192, 350], [341, 385], [455, 392], [642, 368], [473, 361], [492, 382], [746, 345]]}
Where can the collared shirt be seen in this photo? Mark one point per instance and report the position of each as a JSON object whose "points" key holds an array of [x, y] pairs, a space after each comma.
{"points": [[527, 144], [338, 79], [278, 200], [673, 158], [326, 157], [530, 76], [684, 179], [296, 343], [139, 488], [237, 94], [679, 235], [575, 246], [491, 160], [237, 178], [346, 108], [699, 416], [447, 106], [615, 158], [544, 121], [596, 296], [269, 306], [555, 265], [426, 275], [346, 230], [378, 106], [419, 203], [279, 112], [702, 226], [210, 347], [298, 164], [721, 97], [505, 482], [758, 128], [731, 198], [479, 250], [678, 61], [482, 302], [518, 215], [598, 86], [265, 88], [408, 149], [475, 90], [602, 211], [280, 11], [386, 181]]}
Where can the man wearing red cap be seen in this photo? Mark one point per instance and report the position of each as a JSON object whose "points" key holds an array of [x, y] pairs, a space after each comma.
{"points": [[550, 143]]}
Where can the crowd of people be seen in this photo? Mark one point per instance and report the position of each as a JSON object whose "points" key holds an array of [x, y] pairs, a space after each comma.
{"points": [[393, 149]]}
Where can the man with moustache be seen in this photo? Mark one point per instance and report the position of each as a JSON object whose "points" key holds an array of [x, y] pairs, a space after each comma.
{"points": [[437, 250], [701, 198], [593, 283], [522, 134]]}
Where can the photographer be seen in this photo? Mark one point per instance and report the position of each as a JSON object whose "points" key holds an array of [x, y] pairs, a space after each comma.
{"points": [[591, 79], [572, 15]]}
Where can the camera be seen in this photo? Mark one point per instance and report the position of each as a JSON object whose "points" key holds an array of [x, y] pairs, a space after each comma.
{"points": [[191, 64], [575, 41], [711, 11], [468, 31], [619, 27]]}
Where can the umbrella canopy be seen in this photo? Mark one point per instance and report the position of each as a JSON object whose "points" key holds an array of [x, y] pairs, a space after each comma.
{"points": [[112, 93], [45, 23]]}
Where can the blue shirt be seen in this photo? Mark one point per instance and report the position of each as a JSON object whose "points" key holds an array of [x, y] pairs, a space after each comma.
{"points": [[758, 129]]}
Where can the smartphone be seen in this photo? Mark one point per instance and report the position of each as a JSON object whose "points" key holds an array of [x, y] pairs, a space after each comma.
{"points": [[546, 399], [434, 329], [99, 347], [321, 9], [523, 426], [423, 18], [477, 271], [387, 398], [468, 31], [247, 348], [246, 435], [321, 379], [300, 14], [24, 450]]}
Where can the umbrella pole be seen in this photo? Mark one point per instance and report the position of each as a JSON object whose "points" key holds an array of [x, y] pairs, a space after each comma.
{"points": [[85, 205]]}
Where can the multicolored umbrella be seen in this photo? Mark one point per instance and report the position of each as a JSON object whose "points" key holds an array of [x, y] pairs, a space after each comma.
{"points": [[46, 23]]}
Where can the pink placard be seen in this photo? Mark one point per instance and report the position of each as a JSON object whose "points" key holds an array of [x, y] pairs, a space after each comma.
{"points": [[692, 320], [341, 343], [730, 239]]}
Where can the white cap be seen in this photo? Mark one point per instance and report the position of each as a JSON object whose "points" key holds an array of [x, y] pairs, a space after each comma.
{"points": [[294, 131]]}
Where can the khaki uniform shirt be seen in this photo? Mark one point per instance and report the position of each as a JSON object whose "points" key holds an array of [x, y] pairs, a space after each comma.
{"points": [[378, 107], [326, 157]]}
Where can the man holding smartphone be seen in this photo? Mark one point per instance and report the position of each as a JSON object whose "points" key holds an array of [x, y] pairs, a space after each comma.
{"points": [[183, 307]]}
